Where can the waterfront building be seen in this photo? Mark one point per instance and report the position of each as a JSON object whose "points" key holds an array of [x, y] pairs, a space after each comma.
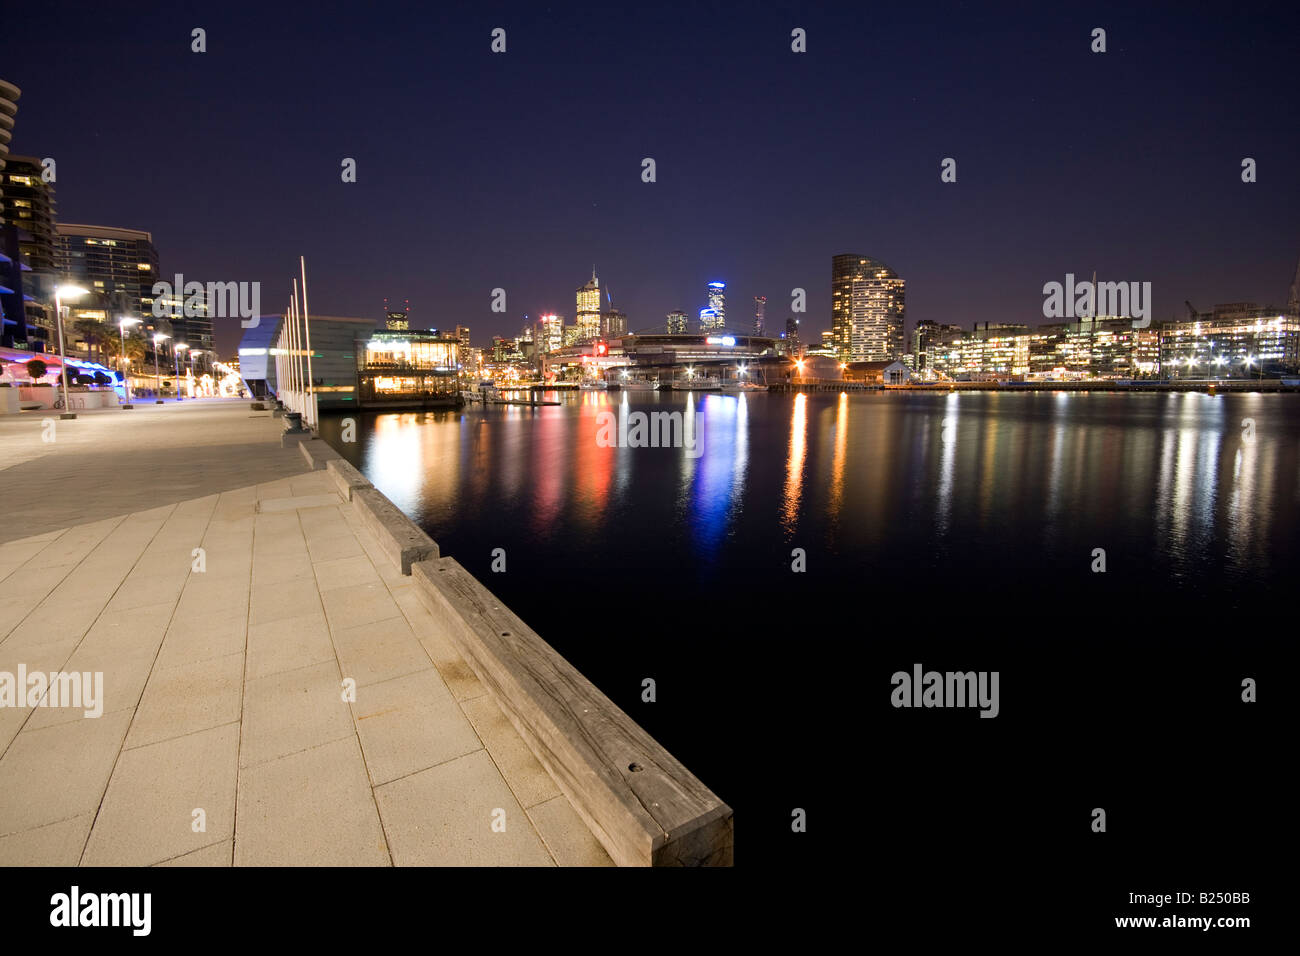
{"points": [[335, 360], [573, 335], [587, 317], [1234, 340], [194, 328], [877, 373], [716, 355], [110, 262], [32, 270], [9, 95], [410, 369], [867, 309], [717, 299], [676, 323]]}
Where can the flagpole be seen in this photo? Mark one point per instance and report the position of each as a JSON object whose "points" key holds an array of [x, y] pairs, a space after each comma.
{"points": [[306, 324]]}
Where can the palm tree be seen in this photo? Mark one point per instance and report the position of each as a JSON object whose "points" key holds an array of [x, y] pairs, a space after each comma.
{"points": [[92, 332], [136, 349]]}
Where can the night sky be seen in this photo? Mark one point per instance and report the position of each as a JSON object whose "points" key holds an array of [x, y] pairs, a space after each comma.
{"points": [[521, 170]]}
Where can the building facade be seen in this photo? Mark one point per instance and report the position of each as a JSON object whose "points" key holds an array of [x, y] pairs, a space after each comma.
{"points": [[867, 309], [587, 317], [111, 262]]}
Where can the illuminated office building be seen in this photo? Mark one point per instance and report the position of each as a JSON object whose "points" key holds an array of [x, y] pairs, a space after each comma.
{"points": [[1235, 340], [867, 309], [760, 311], [710, 321], [717, 298], [587, 318], [550, 333], [676, 323]]}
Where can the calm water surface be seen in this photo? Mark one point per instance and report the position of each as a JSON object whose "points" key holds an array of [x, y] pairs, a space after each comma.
{"points": [[929, 521]]}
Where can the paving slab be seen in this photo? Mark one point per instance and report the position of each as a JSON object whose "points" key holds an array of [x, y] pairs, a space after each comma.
{"points": [[223, 672]]}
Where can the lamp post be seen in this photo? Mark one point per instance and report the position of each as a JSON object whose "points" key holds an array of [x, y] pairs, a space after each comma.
{"points": [[65, 292], [122, 323], [176, 368], [158, 337], [193, 376]]}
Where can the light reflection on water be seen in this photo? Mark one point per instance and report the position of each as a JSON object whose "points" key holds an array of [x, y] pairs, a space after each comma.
{"points": [[1028, 482]]}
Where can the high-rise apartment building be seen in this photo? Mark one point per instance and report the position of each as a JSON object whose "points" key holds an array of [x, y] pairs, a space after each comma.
{"points": [[587, 318], [867, 309], [27, 252], [792, 345], [118, 265], [760, 310], [676, 323]]}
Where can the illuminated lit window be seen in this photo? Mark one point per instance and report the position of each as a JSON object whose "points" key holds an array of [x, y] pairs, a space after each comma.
{"points": [[143, 266]]}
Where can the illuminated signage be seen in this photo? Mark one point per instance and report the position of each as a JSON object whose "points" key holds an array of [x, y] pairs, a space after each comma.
{"points": [[726, 340]]}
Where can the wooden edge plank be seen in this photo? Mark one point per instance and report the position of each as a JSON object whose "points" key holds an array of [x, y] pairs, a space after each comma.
{"points": [[639, 801]]}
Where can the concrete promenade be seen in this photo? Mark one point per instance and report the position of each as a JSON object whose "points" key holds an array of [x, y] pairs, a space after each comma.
{"points": [[225, 737]]}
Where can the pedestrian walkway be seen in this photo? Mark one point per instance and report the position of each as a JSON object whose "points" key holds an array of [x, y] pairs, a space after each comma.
{"points": [[110, 461], [225, 736]]}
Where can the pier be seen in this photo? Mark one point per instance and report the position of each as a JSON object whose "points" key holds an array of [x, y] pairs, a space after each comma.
{"points": [[290, 662]]}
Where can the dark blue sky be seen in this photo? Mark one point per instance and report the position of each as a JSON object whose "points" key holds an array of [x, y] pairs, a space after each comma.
{"points": [[520, 170]]}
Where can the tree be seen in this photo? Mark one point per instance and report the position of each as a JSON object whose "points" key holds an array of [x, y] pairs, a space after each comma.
{"points": [[135, 348], [92, 332], [36, 369]]}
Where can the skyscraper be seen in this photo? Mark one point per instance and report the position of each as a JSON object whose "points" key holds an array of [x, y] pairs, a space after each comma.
{"points": [[867, 309], [710, 320], [28, 217], [676, 323], [793, 347], [717, 294], [760, 309], [587, 318], [550, 333]]}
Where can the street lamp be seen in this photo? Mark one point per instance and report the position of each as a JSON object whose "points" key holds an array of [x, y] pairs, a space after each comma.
{"points": [[176, 368], [122, 323], [69, 292], [194, 352], [158, 337]]}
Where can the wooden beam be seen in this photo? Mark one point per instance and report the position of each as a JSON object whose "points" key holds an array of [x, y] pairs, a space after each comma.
{"points": [[644, 807]]}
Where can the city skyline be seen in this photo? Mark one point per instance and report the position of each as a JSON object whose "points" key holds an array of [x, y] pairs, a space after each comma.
{"points": [[523, 218]]}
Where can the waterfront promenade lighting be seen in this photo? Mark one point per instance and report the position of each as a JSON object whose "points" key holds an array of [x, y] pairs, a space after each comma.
{"points": [[158, 337], [122, 322], [69, 292]]}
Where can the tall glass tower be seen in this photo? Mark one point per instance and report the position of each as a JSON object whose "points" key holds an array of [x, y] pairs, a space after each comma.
{"points": [[717, 294]]}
